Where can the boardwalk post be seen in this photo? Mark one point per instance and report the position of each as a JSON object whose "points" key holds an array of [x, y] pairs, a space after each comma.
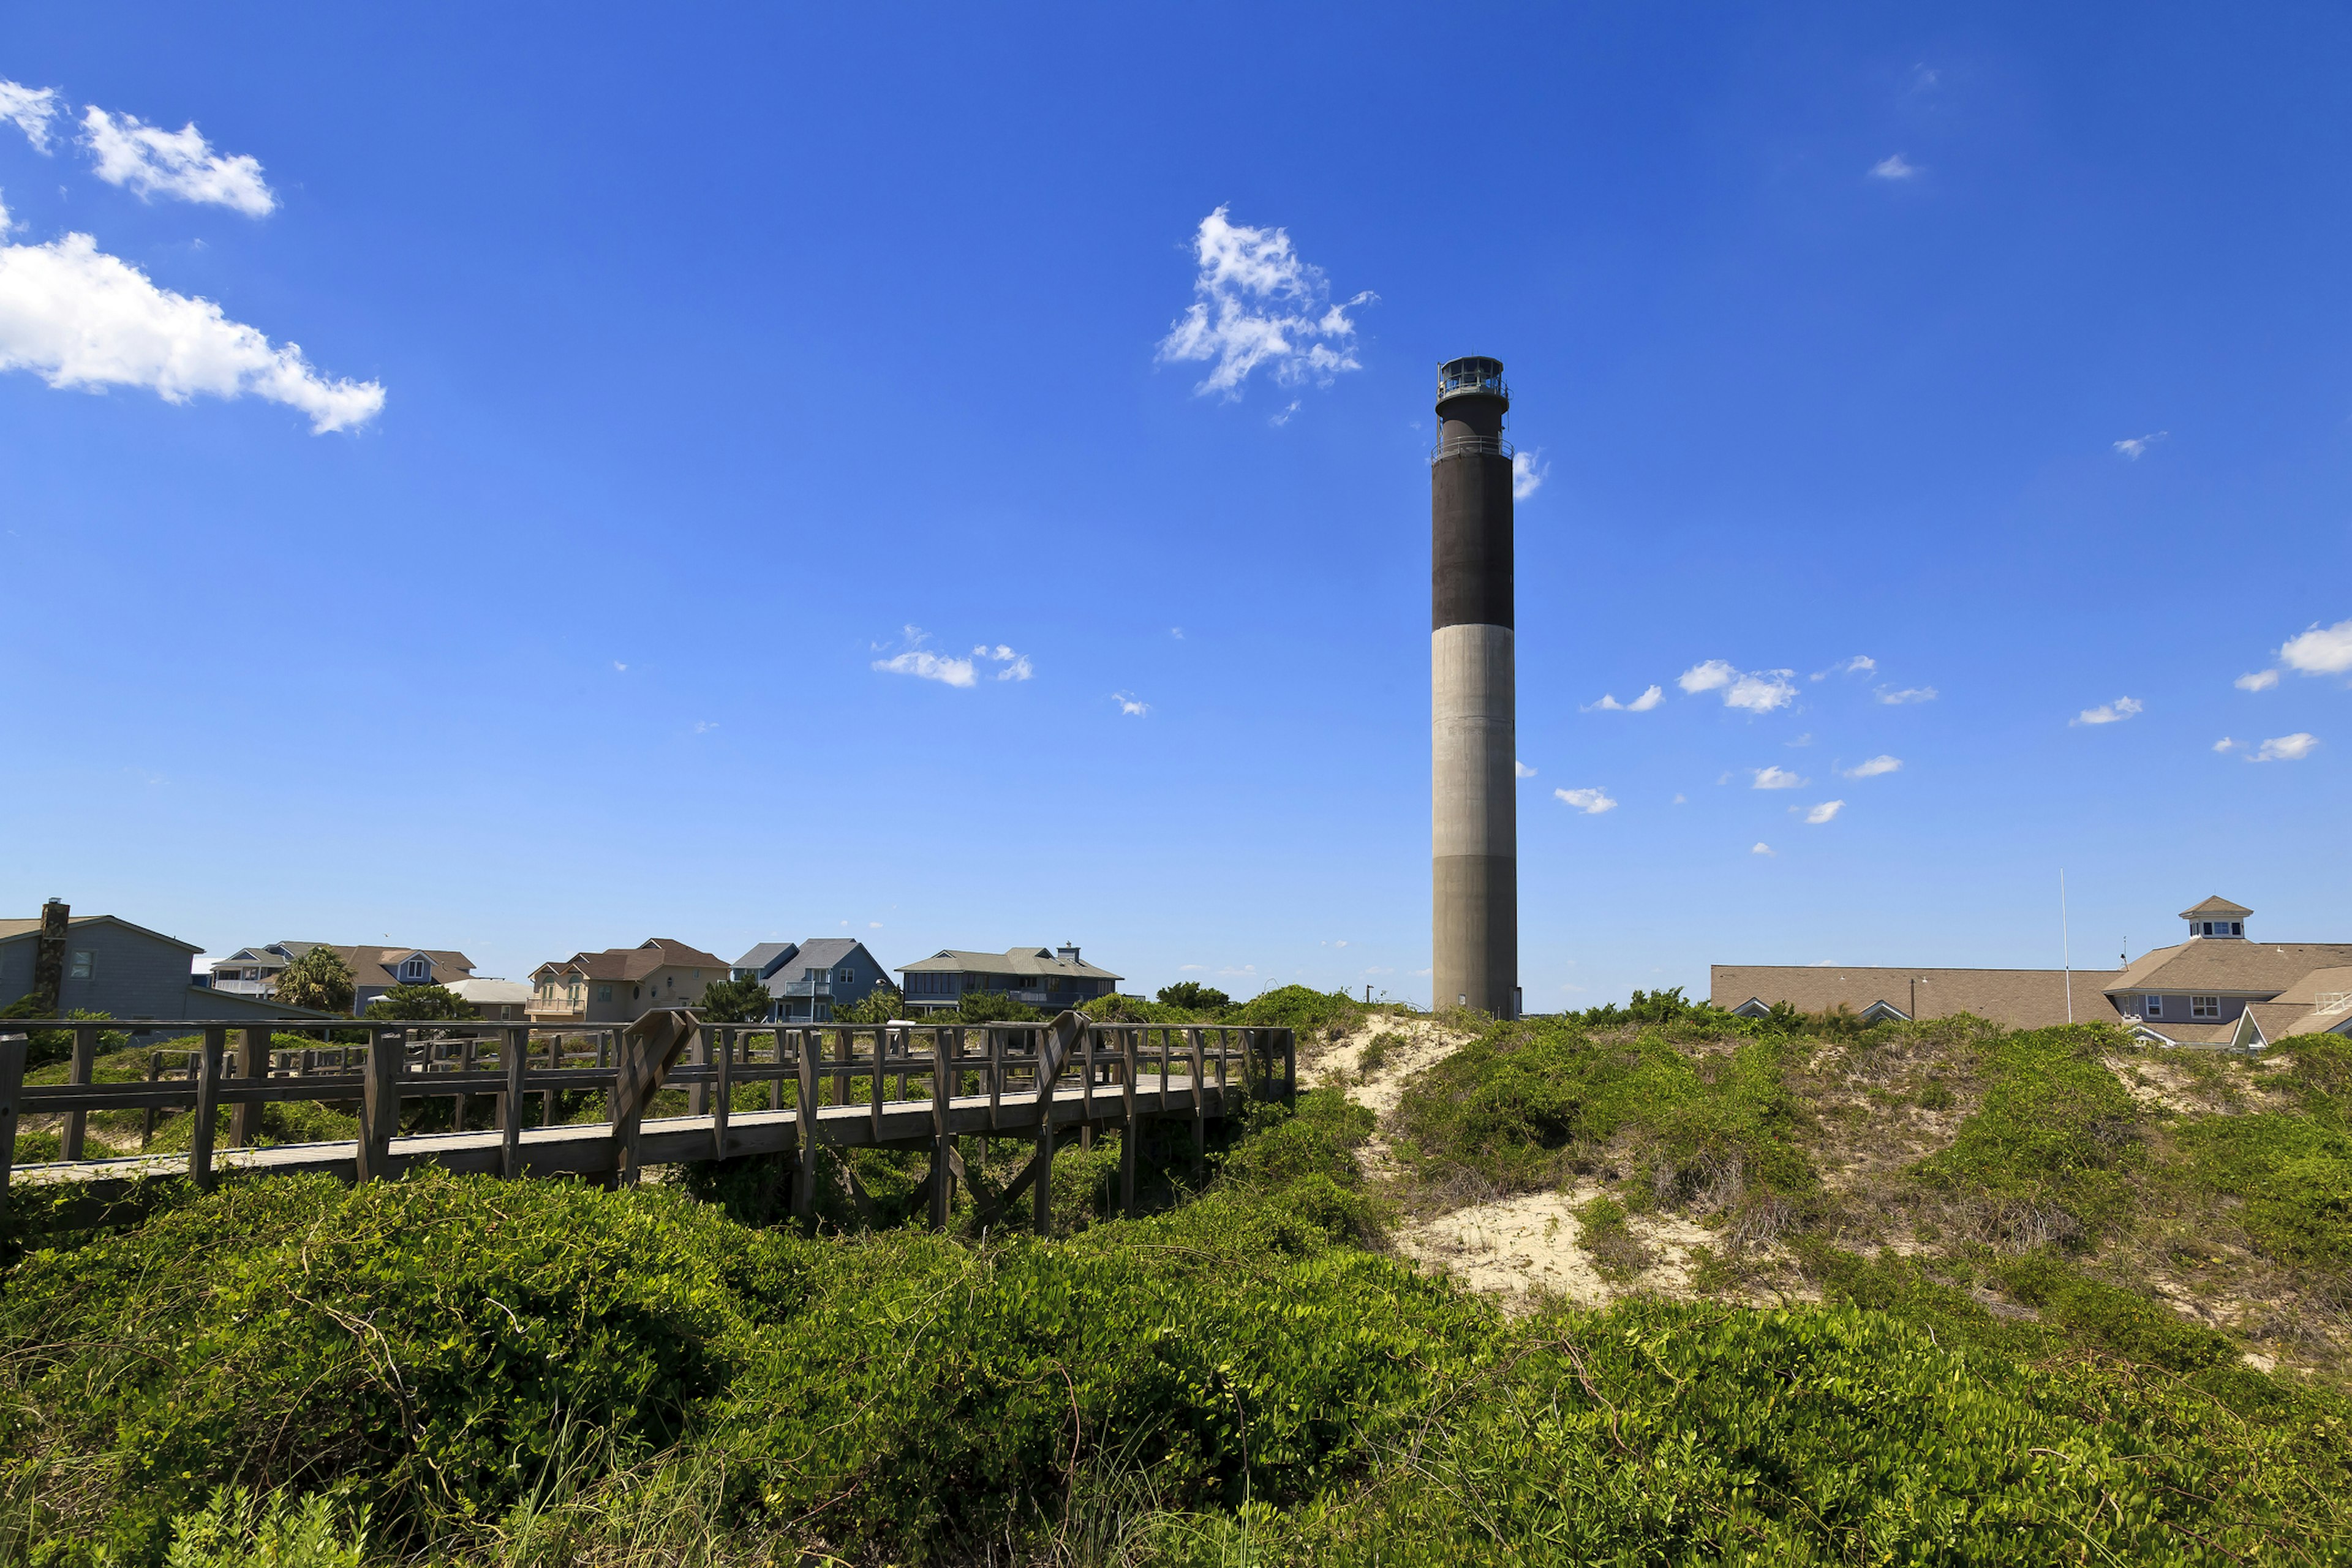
{"points": [[85, 1057], [698, 1096], [647, 1047], [942, 1169], [514, 1055], [995, 1076], [155, 1076], [1086, 1087], [13, 1050], [252, 1063], [387, 1063], [804, 1048], [722, 1104], [874, 1086], [200, 1132], [1126, 1039], [1290, 1066], [1201, 1109]]}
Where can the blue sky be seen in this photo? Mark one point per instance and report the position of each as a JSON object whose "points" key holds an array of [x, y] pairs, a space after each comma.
{"points": [[657, 372]]}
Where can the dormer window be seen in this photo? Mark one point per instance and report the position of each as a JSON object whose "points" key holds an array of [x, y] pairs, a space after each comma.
{"points": [[413, 969]]}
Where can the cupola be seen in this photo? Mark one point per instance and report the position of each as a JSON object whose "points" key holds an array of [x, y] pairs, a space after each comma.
{"points": [[2217, 917]]}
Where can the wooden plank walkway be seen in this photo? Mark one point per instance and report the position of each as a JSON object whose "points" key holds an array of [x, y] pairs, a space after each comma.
{"points": [[1034, 1080]]}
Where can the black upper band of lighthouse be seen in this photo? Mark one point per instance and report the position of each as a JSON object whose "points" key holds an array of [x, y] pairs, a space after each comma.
{"points": [[1470, 498]]}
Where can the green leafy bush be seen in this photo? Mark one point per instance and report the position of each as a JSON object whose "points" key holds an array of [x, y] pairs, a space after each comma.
{"points": [[2046, 1154], [236, 1528], [1520, 1104]]}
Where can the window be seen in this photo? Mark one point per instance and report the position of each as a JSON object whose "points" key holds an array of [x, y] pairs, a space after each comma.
{"points": [[845, 976], [2204, 1006], [604, 994], [84, 959], [2155, 1008], [413, 969], [2237, 928]]}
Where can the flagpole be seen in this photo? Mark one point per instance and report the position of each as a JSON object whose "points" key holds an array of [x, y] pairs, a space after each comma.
{"points": [[2065, 947]]}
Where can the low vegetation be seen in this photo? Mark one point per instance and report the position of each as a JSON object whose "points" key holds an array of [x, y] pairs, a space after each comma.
{"points": [[1929, 1329]]}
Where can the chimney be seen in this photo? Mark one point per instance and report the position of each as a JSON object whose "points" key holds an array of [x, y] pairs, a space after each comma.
{"points": [[49, 955], [1474, 783]]}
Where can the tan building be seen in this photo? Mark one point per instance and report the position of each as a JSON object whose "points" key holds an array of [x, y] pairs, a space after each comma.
{"points": [[254, 971], [2219, 987], [622, 984]]}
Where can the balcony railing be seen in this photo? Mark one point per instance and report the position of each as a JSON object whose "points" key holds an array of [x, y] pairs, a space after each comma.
{"points": [[1471, 445], [1468, 377]]}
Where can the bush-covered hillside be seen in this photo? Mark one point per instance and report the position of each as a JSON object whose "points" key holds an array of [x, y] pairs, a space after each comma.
{"points": [[539, 1372]]}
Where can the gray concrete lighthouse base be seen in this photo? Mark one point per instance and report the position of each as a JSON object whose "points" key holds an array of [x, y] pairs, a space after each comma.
{"points": [[1474, 829]]}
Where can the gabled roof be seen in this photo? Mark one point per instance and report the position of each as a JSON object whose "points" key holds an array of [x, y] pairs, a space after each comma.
{"points": [[633, 964], [2216, 908], [380, 965], [12, 928], [764, 958], [1025, 961], [2261, 969]]}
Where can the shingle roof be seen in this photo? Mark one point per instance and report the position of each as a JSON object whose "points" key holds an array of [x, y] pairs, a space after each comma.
{"points": [[2232, 967], [633, 964], [12, 928], [1012, 961], [2215, 907], [379, 965], [768, 953], [2021, 998]]}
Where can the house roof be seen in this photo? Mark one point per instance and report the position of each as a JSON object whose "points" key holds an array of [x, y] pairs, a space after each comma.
{"points": [[817, 952], [2021, 998], [1037, 961], [2215, 907], [2336, 980], [379, 965], [633, 964], [10, 930], [761, 959], [2263, 969], [491, 991]]}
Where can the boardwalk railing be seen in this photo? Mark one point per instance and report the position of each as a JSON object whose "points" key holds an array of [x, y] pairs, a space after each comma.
{"points": [[901, 1085]]}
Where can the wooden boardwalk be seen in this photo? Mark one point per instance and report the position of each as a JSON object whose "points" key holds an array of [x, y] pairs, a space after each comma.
{"points": [[902, 1084]]}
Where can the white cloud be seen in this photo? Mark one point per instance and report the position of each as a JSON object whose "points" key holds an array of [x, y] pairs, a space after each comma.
{"points": [[1873, 767], [2259, 680], [1859, 664], [1895, 699], [2115, 712], [618, 666], [1176, 632], [1761, 849], [1129, 705], [704, 726], [2136, 447], [1823, 812], [29, 110], [2285, 748], [921, 662], [2225, 744], [80, 317], [1260, 305], [1776, 777], [1758, 691], [2321, 651], [1016, 664], [1679, 800], [1522, 770], [152, 162], [1894, 167], [1592, 802], [1648, 700], [1527, 473]]}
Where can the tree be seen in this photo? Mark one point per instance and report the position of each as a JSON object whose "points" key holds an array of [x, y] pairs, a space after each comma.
{"points": [[743, 1001], [878, 1005], [420, 1003], [320, 980], [995, 1007], [1194, 997]]}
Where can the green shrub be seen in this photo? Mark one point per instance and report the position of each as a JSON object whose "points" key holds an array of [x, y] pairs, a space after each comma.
{"points": [[1192, 996], [2047, 1151], [1516, 1104], [236, 1528]]}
